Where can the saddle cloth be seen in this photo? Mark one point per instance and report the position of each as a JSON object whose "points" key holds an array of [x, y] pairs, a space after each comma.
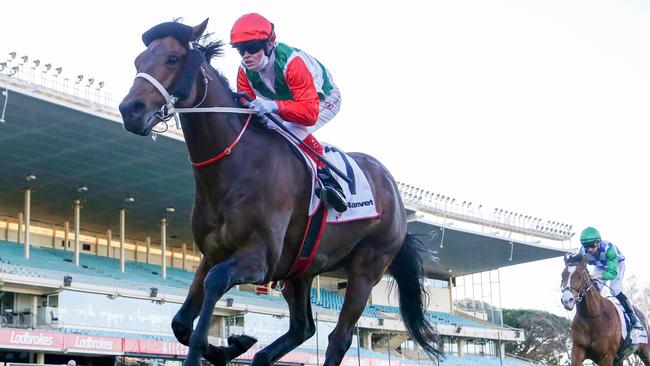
{"points": [[635, 337], [361, 203]]}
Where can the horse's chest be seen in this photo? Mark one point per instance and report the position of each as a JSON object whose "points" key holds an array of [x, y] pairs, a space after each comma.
{"points": [[222, 235], [233, 228]]}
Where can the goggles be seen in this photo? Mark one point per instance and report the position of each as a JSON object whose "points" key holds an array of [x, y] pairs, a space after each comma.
{"points": [[251, 47]]}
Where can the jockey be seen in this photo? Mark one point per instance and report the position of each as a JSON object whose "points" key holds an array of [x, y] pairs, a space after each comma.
{"points": [[609, 265], [293, 85]]}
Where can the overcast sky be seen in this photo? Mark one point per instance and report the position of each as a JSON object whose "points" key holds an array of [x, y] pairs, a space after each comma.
{"points": [[537, 107]]}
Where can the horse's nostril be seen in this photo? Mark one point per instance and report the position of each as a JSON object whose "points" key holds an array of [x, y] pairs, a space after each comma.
{"points": [[132, 110]]}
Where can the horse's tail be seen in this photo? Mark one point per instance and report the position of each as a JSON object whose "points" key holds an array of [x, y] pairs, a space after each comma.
{"points": [[408, 272]]}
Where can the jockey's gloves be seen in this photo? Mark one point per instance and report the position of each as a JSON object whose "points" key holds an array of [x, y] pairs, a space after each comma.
{"points": [[262, 106]]}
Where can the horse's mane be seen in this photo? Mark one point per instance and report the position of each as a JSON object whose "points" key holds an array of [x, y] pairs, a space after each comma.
{"points": [[211, 49], [208, 47]]}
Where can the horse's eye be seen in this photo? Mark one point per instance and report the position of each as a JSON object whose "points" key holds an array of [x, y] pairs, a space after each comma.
{"points": [[172, 60]]}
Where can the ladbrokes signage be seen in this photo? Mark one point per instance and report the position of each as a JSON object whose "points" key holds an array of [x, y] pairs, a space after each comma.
{"points": [[154, 347], [54, 341], [30, 339], [88, 343]]}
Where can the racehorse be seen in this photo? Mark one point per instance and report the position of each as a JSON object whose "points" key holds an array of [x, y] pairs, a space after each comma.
{"points": [[250, 209], [596, 327]]}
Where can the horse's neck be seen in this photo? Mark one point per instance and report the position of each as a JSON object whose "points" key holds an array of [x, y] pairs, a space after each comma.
{"points": [[208, 134], [591, 305]]}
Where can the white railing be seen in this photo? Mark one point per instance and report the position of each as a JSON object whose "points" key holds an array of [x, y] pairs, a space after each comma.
{"points": [[85, 93], [450, 208], [45, 78]]}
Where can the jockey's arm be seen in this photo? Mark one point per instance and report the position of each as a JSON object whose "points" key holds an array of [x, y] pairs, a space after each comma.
{"points": [[304, 107], [243, 85], [611, 271]]}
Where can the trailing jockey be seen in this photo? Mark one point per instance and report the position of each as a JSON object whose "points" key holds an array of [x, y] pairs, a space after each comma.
{"points": [[291, 84], [609, 265]]}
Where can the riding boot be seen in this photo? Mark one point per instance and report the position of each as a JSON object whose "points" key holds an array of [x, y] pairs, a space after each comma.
{"points": [[629, 310], [332, 193]]}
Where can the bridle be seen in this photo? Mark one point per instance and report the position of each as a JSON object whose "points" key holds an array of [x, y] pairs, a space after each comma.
{"points": [[585, 286], [168, 111]]}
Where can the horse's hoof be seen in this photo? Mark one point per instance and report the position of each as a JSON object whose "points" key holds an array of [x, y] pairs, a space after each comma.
{"points": [[181, 332], [217, 356], [240, 343]]}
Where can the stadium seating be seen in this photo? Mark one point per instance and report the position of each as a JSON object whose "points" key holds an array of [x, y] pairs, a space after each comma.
{"points": [[332, 300], [54, 263], [474, 360]]}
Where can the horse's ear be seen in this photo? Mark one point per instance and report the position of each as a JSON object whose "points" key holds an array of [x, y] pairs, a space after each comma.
{"points": [[573, 258], [198, 31]]}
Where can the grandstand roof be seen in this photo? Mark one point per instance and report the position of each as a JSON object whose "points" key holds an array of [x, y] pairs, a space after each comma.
{"points": [[65, 146], [68, 144], [465, 252]]}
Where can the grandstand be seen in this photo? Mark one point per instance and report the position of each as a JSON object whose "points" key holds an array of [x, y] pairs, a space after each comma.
{"points": [[96, 254]]}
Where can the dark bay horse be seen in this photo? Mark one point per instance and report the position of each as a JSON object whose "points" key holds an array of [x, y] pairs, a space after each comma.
{"points": [[596, 327], [250, 210]]}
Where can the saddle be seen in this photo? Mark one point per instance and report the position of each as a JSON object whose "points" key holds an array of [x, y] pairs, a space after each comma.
{"points": [[361, 203]]}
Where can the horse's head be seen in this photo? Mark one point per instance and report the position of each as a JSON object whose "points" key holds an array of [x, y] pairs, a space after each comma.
{"points": [[575, 280], [166, 73]]}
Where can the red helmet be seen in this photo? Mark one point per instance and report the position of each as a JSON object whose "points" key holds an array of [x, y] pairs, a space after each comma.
{"points": [[251, 27]]}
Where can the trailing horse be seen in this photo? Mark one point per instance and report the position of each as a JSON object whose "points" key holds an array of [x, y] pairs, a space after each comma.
{"points": [[251, 204], [596, 327]]}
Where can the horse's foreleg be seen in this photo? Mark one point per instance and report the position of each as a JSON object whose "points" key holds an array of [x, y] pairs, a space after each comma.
{"points": [[184, 320], [301, 325], [189, 311], [244, 266], [578, 355]]}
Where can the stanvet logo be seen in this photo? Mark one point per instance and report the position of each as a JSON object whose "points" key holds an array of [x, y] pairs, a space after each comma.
{"points": [[360, 204], [31, 339], [93, 343]]}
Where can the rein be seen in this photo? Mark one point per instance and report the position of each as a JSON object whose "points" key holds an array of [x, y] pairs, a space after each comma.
{"points": [[168, 111], [227, 151]]}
